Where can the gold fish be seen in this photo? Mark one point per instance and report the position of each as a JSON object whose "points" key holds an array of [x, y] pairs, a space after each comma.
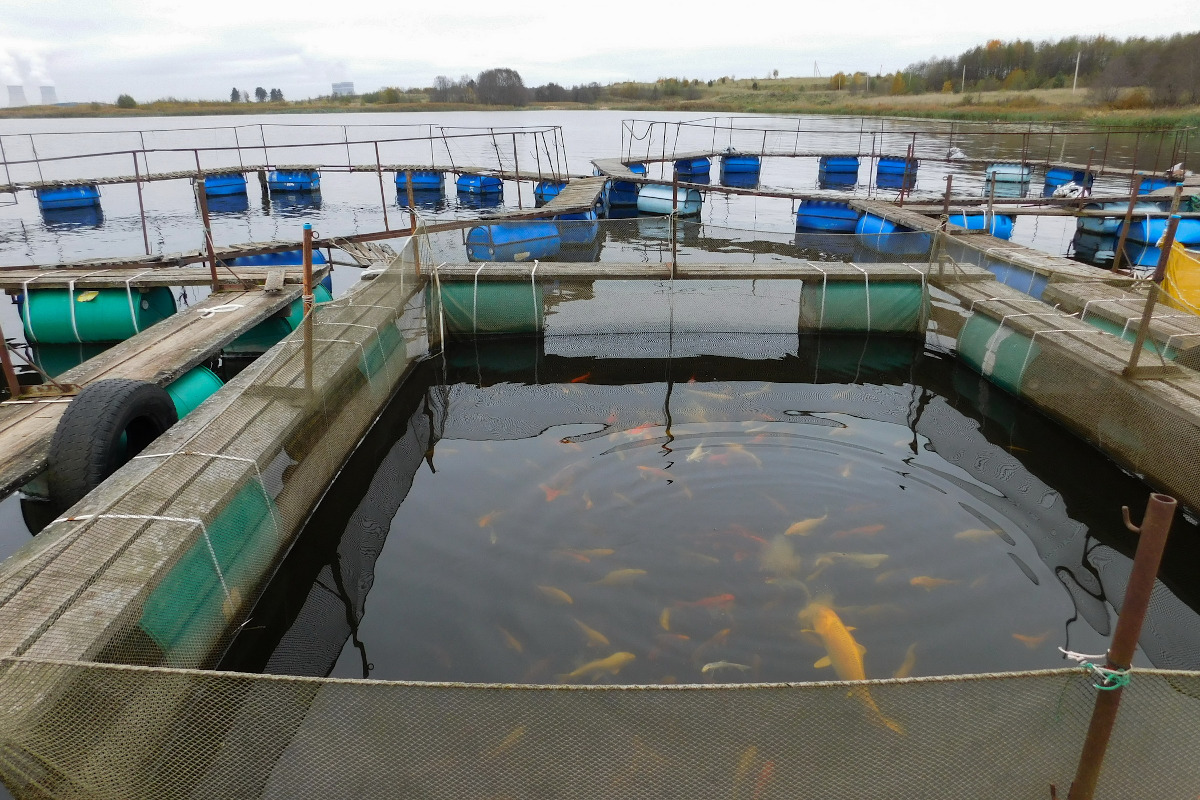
{"points": [[865, 560], [718, 639], [764, 777], [740, 449], [595, 638], [587, 501], [779, 558], [655, 472], [623, 499], [716, 665], [664, 619], [619, 577], [929, 584], [594, 669], [710, 395], [975, 534], [906, 666], [1032, 642], [697, 454], [980, 581], [556, 595], [700, 559], [846, 470], [509, 742], [560, 484], [488, 518], [844, 655], [805, 526], [573, 556], [865, 530], [743, 767], [885, 576], [596, 552], [510, 641]]}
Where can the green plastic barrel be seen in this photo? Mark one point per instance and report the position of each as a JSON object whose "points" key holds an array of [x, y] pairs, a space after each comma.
{"points": [[999, 354], [854, 307], [99, 315], [268, 333], [189, 611], [378, 349], [192, 388], [497, 308], [1129, 334], [56, 359]]}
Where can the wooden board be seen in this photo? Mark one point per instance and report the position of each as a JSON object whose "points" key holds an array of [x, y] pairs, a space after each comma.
{"points": [[807, 270], [159, 354], [16, 280]]}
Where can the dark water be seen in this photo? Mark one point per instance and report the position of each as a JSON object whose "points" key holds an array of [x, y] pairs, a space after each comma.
{"points": [[955, 524]]}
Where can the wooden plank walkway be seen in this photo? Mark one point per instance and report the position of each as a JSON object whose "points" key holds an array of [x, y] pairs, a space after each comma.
{"points": [[1122, 308], [159, 354], [806, 271], [15, 280]]}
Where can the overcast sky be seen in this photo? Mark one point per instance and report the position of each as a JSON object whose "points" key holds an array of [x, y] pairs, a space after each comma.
{"points": [[151, 49]]}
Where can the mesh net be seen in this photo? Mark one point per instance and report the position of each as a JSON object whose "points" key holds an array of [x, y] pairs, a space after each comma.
{"points": [[109, 617]]}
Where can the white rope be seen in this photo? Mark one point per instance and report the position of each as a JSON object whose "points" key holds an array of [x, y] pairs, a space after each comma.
{"points": [[129, 294], [223, 309], [866, 291], [533, 289], [437, 278], [824, 291], [71, 307], [361, 349], [154, 518], [261, 483], [475, 301], [29, 306], [1033, 339]]}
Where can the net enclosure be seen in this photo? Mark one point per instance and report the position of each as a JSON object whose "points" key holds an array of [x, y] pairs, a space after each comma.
{"points": [[111, 620]]}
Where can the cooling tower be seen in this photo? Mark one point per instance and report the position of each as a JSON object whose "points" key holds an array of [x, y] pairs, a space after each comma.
{"points": [[16, 96], [49, 96]]}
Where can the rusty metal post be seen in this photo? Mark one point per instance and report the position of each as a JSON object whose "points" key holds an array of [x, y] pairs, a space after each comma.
{"points": [[1124, 232], [382, 194], [517, 170], [137, 174], [1160, 511], [946, 200], [202, 201], [412, 222], [10, 374], [1087, 177], [674, 217], [307, 251], [1131, 369]]}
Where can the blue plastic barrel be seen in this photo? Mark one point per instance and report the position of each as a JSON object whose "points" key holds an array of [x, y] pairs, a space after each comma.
{"points": [[623, 193], [513, 241], [1148, 231], [737, 162], [998, 225], [838, 164], [1061, 176], [545, 191], [578, 229], [885, 236], [423, 180], [827, 216], [479, 184], [1008, 173], [692, 167], [224, 184], [1150, 183], [896, 173], [294, 180], [74, 196]]}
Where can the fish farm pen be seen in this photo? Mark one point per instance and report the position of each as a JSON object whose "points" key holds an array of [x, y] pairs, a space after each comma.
{"points": [[652, 467]]}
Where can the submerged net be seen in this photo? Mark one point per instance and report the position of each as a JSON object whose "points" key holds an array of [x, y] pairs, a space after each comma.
{"points": [[108, 618]]}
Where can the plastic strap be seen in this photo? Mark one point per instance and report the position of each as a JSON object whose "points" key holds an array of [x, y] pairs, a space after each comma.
{"points": [[28, 308], [261, 483], [129, 294], [866, 292], [533, 292], [71, 307], [475, 301], [361, 349]]}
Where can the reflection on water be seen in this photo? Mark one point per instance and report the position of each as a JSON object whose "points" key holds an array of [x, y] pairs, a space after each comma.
{"points": [[63, 219], [520, 515], [295, 204]]}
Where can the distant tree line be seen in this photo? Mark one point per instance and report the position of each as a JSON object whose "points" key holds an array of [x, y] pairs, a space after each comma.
{"points": [[260, 94], [1165, 67]]}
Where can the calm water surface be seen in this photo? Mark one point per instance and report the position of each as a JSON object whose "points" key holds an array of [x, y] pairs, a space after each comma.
{"points": [[520, 514]]}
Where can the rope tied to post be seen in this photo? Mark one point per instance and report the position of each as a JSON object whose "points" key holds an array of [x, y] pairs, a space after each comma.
{"points": [[1104, 678]]}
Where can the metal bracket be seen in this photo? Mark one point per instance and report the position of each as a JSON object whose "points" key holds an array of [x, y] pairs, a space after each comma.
{"points": [[49, 390]]}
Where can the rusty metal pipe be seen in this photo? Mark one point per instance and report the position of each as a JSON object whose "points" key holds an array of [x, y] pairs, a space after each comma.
{"points": [[307, 250], [1160, 511]]}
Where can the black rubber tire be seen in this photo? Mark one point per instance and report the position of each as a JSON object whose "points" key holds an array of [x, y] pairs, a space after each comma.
{"points": [[87, 445]]}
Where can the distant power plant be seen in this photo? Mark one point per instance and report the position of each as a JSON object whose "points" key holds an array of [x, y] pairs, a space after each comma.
{"points": [[16, 96], [49, 96]]}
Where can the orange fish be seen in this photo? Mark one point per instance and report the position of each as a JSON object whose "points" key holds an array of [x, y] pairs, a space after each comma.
{"points": [[764, 777], [1032, 641], [865, 530], [716, 601], [550, 492], [611, 419], [580, 557], [745, 534], [582, 378], [488, 518], [929, 584], [640, 429], [657, 473]]}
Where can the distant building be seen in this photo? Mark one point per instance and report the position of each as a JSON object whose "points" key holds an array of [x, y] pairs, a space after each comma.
{"points": [[344, 89], [16, 96], [49, 96]]}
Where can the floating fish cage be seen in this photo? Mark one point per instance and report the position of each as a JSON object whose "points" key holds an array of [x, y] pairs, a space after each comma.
{"points": [[81, 195], [581, 228], [224, 184], [479, 184], [623, 194], [294, 180], [62, 316], [830, 216], [657, 198], [885, 236], [423, 180], [513, 241]]}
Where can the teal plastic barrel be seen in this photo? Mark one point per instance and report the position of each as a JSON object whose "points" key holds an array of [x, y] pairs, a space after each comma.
{"points": [[192, 388], [268, 333], [59, 316], [499, 308], [861, 307], [1000, 354], [188, 612]]}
